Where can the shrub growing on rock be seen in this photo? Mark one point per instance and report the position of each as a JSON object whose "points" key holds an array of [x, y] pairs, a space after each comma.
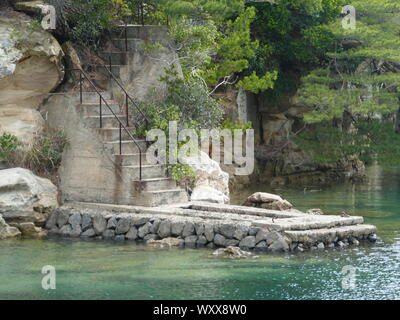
{"points": [[8, 144], [44, 156]]}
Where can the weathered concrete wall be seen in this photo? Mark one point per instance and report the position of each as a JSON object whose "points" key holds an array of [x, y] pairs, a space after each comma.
{"points": [[88, 171], [146, 63]]}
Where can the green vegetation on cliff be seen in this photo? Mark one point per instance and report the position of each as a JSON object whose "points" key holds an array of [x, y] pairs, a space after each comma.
{"points": [[358, 84], [346, 77]]}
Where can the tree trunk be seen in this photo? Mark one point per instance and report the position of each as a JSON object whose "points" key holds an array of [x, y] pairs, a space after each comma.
{"points": [[397, 122]]}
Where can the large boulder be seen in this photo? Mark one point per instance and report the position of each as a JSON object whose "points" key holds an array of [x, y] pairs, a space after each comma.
{"points": [[212, 183], [6, 231], [30, 67], [208, 194], [267, 201], [25, 197]]}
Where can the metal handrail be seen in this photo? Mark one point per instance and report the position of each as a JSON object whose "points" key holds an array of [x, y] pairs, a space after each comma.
{"points": [[127, 96], [121, 125]]}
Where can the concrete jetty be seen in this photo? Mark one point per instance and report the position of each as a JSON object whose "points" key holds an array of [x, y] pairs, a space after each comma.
{"points": [[199, 224]]}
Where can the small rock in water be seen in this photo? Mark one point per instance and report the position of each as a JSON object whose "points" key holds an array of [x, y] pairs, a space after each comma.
{"points": [[119, 238], [231, 242], [150, 236], [166, 242], [372, 237], [201, 241], [190, 241], [315, 211], [219, 240], [231, 252], [340, 244], [248, 242], [88, 233], [112, 223], [321, 246], [108, 234], [261, 246]]}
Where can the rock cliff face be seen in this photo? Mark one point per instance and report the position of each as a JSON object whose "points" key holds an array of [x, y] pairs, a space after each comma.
{"points": [[277, 160], [30, 67]]}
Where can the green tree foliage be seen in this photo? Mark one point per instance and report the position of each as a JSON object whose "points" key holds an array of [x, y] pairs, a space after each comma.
{"points": [[213, 40], [293, 37], [187, 102], [88, 19], [361, 75], [369, 140]]}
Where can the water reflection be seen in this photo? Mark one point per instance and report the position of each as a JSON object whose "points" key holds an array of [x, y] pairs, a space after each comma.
{"points": [[375, 199]]}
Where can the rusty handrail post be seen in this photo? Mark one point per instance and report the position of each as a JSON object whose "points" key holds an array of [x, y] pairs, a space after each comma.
{"points": [[126, 110], [120, 139], [125, 92], [140, 166], [126, 37], [101, 114], [80, 85], [109, 62], [83, 75]]}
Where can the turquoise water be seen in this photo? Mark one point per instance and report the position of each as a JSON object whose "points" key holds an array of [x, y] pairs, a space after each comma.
{"points": [[106, 270]]}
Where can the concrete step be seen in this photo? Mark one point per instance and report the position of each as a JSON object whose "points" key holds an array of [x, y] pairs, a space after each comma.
{"points": [[108, 121], [131, 159], [128, 146], [103, 84], [158, 33], [225, 208], [326, 235], [112, 134], [164, 197], [133, 44], [148, 171], [117, 58], [317, 222], [91, 97], [155, 184], [93, 109], [115, 69]]}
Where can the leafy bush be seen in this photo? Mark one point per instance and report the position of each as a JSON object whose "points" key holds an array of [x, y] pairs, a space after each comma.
{"points": [[43, 157], [183, 174], [187, 102], [227, 124], [88, 19], [8, 144]]}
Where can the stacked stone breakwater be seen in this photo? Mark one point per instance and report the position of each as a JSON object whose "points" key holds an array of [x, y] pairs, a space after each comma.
{"points": [[211, 225]]}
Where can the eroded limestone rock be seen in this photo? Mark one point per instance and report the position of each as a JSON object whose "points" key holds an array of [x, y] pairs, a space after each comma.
{"points": [[212, 183], [25, 197], [29, 230], [268, 201], [30, 67], [6, 231]]}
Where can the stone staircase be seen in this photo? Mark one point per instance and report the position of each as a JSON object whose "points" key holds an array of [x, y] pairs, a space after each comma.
{"points": [[136, 36], [155, 188]]}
